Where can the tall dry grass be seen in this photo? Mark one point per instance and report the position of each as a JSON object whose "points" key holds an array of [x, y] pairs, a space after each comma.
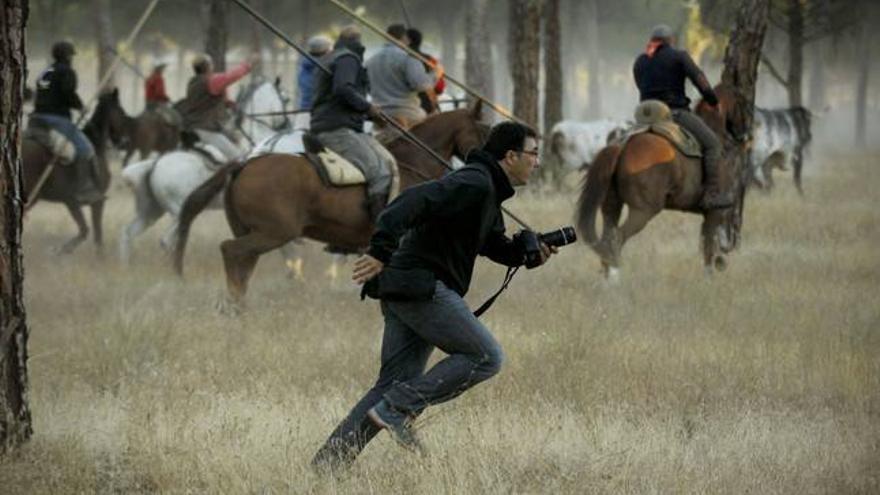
{"points": [[765, 379]]}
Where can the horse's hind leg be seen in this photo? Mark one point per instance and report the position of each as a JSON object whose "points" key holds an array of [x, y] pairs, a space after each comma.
{"points": [[80, 219], [636, 220], [292, 261], [798, 165], [611, 209], [240, 256], [98, 226], [146, 214]]}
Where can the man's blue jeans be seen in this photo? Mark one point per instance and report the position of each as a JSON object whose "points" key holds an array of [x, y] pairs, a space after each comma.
{"points": [[412, 331], [84, 149]]}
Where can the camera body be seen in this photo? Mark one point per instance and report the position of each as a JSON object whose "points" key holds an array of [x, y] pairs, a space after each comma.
{"points": [[530, 242]]}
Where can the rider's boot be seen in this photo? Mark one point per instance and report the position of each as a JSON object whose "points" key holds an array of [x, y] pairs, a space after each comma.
{"points": [[87, 189], [715, 194]]}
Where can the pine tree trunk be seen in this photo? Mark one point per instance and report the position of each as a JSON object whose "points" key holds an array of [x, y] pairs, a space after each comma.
{"points": [[15, 416], [105, 42], [817, 76], [861, 101], [216, 33], [795, 52], [478, 55], [594, 69], [552, 65], [525, 54]]}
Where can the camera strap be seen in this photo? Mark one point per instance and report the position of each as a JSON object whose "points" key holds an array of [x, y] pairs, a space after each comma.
{"points": [[511, 271]]}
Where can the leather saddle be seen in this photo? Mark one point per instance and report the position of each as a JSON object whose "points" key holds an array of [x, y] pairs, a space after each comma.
{"points": [[43, 133], [655, 117], [335, 170]]}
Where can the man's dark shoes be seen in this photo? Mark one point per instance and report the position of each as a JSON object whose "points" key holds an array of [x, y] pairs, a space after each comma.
{"points": [[385, 416]]}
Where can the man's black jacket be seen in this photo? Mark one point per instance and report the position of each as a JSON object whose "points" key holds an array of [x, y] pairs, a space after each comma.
{"points": [[56, 91], [661, 77], [442, 225]]}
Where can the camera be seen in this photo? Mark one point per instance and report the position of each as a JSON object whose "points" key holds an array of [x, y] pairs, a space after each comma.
{"points": [[530, 242]]}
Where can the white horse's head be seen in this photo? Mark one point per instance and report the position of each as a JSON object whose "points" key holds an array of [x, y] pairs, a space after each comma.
{"points": [[258, 98]]}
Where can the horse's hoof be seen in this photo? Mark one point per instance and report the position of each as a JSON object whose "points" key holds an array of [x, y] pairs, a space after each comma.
{"points": [[720, 263], [227, 307], [612, 276]]}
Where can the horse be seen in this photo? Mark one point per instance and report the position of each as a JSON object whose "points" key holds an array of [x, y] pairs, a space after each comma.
{"points": [[277, 198], [61, 184], [146, 133], [648, 174], [780, 137], [161, 185]]}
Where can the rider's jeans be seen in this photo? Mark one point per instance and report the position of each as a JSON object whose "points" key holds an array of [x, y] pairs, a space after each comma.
{"points": [[221, 142], [84, 149]]}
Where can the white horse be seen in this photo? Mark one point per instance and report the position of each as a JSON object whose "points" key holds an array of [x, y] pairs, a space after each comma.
{"points": [[162, 185]]}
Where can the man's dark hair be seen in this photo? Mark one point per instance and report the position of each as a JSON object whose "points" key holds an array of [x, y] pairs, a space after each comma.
{"points": [[415, 38], [397, 31], [507, 136]]}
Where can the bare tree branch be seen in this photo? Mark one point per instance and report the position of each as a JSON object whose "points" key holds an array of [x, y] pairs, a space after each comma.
{"points": [[773, 71]]}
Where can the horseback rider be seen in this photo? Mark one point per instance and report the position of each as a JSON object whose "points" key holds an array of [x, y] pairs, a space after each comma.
{"points": [[157, 99], [318, 46], [205, 107], [339, 109], [396, 79], [415, 42], [55, 97], [660, 74]]}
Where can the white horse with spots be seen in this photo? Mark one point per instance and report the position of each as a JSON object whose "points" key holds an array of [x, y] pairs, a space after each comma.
{"points": [[160, 186], [575, 144]]}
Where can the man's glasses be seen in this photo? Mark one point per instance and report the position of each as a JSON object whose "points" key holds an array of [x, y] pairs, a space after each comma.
{"points": [[530, 152]]}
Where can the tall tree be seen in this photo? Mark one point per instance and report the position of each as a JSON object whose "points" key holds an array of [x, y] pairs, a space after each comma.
{"points": [[552, 64], [15, 416], [524, 34], [104, 33], [864, 68], [216, 32], [594, 69], [741, 59], [478, 49]]}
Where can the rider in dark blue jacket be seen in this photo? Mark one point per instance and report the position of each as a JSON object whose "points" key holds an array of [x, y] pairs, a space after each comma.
{"points": [[660, 74]]}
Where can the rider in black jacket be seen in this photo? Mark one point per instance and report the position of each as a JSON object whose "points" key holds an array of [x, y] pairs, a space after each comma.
{"points": [[55, 97], [660, 74]]}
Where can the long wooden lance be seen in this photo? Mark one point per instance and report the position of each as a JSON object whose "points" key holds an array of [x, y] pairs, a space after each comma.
{"points": [[390, 121], [412, 53]]}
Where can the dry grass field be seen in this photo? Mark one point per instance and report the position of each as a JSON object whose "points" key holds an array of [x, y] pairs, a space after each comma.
{"points": [[764, 379]]}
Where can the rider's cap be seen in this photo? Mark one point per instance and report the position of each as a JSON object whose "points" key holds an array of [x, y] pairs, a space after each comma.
{"points": [[661, 32], [319, 44]]}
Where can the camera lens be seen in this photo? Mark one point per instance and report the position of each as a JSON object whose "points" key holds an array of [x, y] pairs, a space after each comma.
{"points": [[560, 237]]}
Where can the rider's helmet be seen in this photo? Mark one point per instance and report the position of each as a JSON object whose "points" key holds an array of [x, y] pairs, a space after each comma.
{"points": [[63, 51]]}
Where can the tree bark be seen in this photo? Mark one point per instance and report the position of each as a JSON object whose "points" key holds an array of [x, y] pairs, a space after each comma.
{"points": [[524, 30], [216, 33], [795, 52], [594, 69], [15, 416], [106, 46], [742, 56], [478, 54], [817, 76], [861, 101], [552, 65]]}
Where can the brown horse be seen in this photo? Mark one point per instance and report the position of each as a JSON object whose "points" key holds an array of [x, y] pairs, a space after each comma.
{"points": [[61, 184], [648, 174], [145, 133], [274, 199]]}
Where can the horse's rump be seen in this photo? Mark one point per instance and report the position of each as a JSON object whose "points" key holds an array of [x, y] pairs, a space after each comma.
{"points": [[644, 151]]}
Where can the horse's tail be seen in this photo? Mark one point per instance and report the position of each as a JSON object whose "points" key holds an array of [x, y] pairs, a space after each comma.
{"points": [[593, 192], [194, 204]]}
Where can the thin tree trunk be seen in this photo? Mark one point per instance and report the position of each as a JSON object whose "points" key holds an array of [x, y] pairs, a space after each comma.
{"points": [[795, 52], [105, 42], [861, 100], [478, 55], [525, 53], [15, 416], [594, 94], [817, 76], [216, 33], [741, 59], [552, 65]]}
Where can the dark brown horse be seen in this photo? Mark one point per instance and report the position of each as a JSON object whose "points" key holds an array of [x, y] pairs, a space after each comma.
{"points": [[648, 174], [274, 199], [145, 133], [61, 184]]}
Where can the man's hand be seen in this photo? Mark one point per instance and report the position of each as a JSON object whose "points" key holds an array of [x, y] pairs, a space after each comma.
{"points": [[547, 251], [374, 113], [365, 268]]}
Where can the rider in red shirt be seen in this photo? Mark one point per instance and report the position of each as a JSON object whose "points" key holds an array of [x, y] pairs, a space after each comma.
{"points": [[154, 88]]}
